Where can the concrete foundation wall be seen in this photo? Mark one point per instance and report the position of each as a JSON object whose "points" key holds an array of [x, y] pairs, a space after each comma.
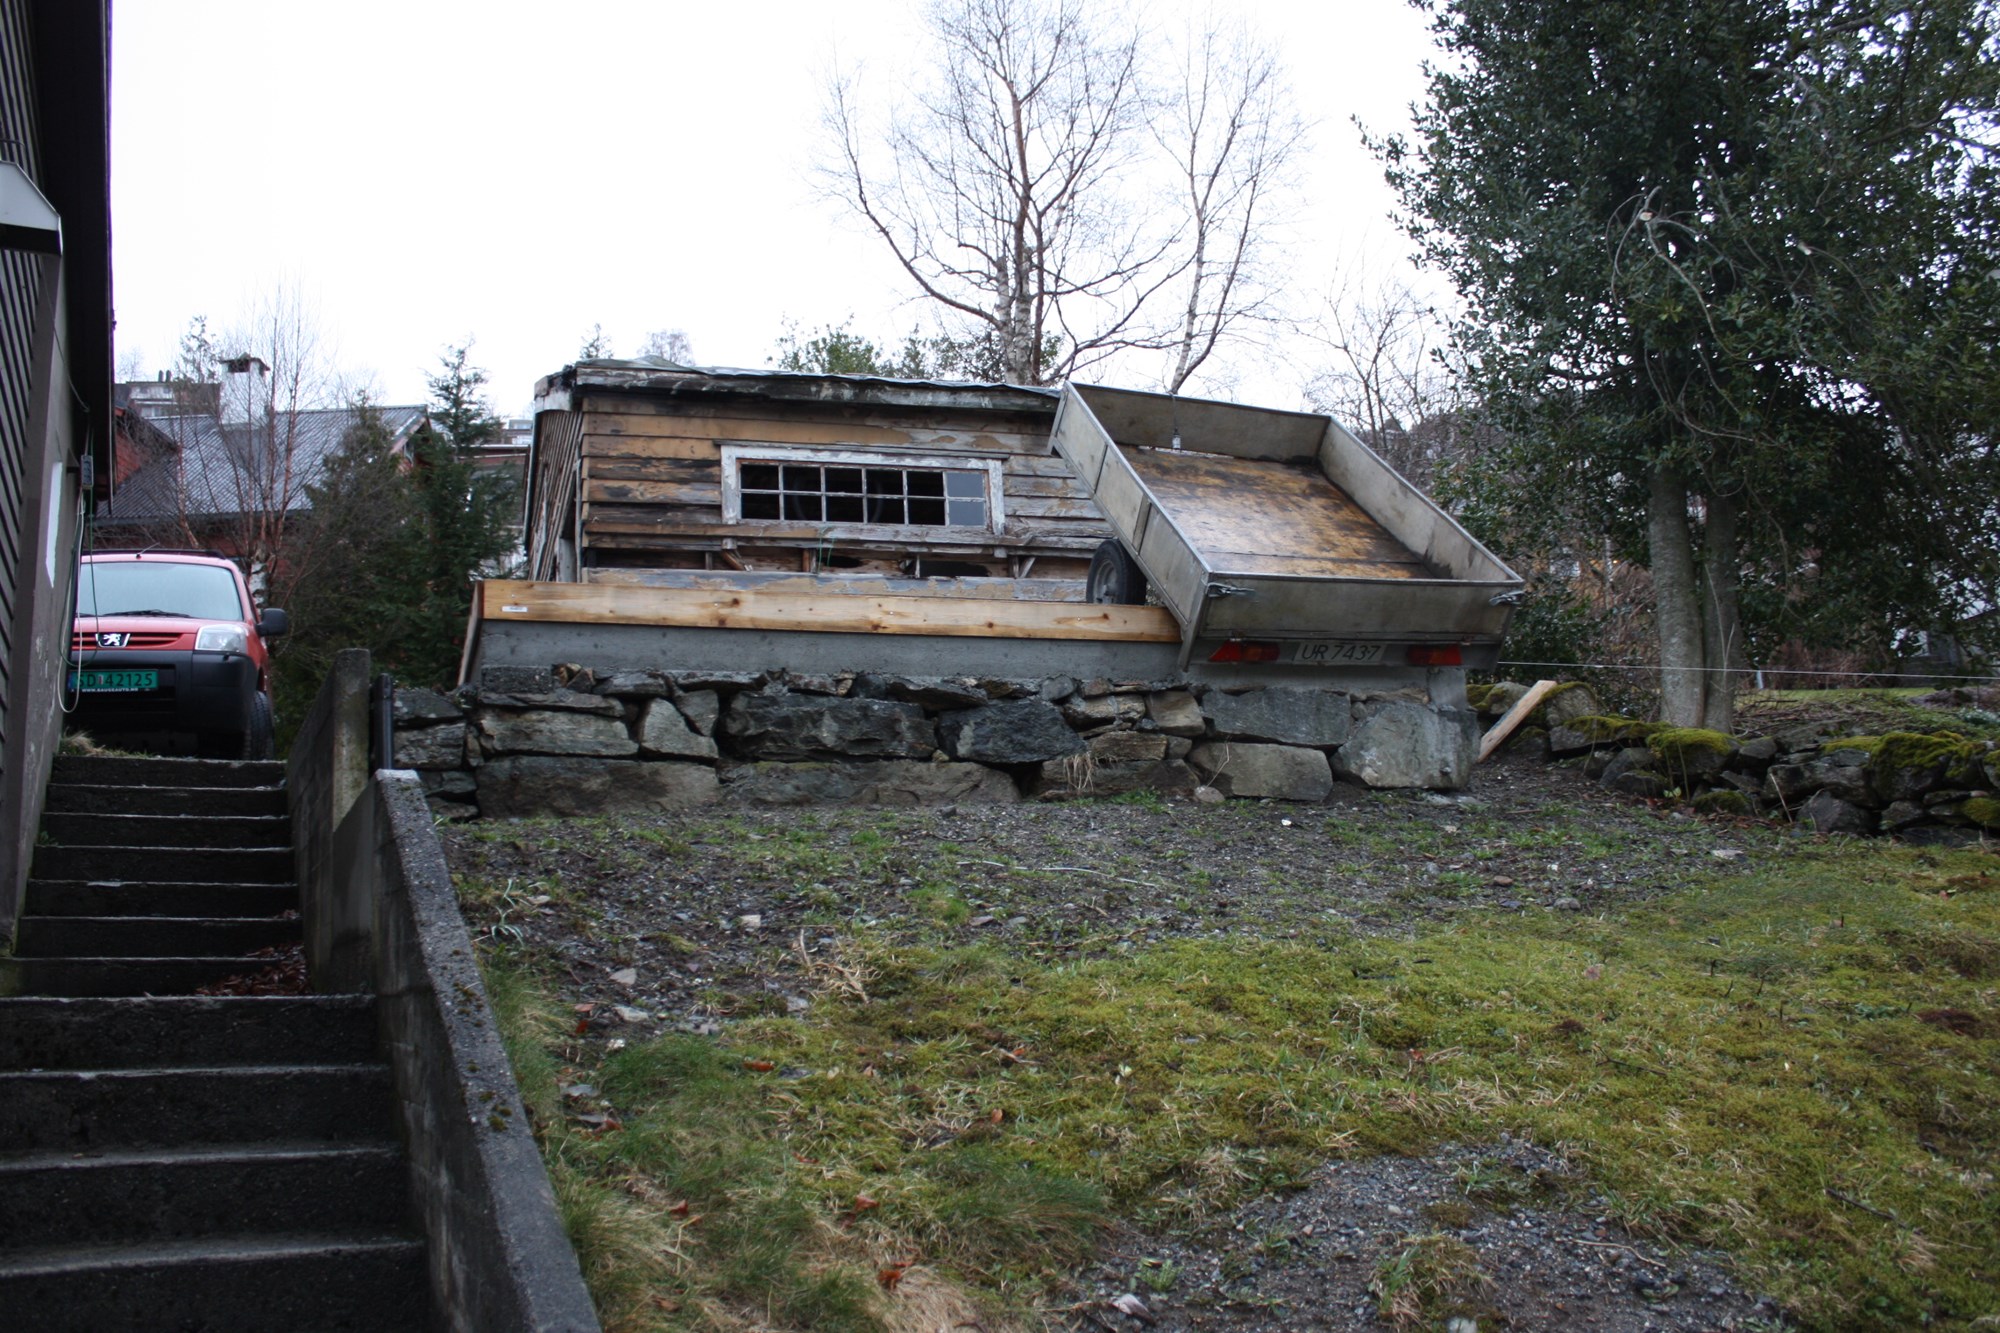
{"points": [[380, 916]]}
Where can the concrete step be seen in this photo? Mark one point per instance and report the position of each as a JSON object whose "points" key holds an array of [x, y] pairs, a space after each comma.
{"points": [[101, 830], [150, 936], [83, 897], [49, 1199], [76, 798], [146, 772], [126, 1109], [232, 865], [303, 1283], [121, 976], [179, 1031]]}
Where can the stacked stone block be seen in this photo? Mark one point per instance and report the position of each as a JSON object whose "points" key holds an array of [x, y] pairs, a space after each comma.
{"points": [[567, 741]]}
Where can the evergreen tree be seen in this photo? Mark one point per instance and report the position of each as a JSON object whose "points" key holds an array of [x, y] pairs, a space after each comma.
{"points": [[467, 514], [399, 536], [363, 584], [1732, 272]]}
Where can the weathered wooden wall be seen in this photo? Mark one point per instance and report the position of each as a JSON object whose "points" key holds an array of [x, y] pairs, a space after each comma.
{"points": [[650, 471]]}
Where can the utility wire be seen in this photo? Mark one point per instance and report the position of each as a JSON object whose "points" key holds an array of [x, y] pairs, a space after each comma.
{"points": [[1750, 671]]}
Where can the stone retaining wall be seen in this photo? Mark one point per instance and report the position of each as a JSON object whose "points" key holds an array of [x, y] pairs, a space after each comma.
{"points": [[1936, 788], [567, 741]]}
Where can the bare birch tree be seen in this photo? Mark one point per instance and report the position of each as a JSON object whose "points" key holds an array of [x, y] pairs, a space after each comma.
{"points": [[1231, 138], [242, 452], [1031, 189], [1385, 378], [669, 345]]}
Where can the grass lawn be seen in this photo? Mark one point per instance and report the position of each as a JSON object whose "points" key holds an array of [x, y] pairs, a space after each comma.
{"points": [[1799, 1065]]}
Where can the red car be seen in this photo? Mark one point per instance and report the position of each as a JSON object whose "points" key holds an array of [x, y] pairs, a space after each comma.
{"points": [[170, 642]]}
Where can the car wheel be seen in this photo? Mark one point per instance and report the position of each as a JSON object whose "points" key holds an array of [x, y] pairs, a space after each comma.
{"points": [[257, 742], [1115, 577]]}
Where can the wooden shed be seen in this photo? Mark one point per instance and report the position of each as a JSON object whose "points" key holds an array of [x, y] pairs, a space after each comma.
{"points": [[645, 472]]}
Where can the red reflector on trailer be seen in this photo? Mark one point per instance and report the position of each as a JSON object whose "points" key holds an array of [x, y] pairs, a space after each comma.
{"points": [[1239, 650], [1441, 655]]}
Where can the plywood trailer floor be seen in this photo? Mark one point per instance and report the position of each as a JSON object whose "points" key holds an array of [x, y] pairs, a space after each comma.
{"points": [[1251, 516]]}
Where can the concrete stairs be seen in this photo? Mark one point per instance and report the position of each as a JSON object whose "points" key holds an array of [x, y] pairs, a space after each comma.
{"points": [[175, 1161]]}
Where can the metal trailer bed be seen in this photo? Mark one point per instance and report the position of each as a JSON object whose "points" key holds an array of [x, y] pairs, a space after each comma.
{"points": [[1256, 525]]}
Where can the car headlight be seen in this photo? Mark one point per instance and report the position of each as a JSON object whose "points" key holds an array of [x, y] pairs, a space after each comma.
{"points": [[221, 639]]}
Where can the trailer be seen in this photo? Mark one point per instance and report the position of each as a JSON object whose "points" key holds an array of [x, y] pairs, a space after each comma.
{"points": [[1278, 537]]}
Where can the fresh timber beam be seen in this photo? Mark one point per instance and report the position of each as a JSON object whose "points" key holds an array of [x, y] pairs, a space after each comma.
{"points": [[1519, 713], [837, 613]]}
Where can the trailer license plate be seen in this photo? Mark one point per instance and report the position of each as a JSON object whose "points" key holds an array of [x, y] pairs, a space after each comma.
{"points": [[117, 682], [1336, 652]]}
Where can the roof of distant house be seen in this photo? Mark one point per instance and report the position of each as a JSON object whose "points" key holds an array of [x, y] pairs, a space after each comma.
{"points": [[235, 469]]}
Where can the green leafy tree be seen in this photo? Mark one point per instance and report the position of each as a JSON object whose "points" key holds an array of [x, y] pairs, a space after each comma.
{"points": [[1729, 271]]}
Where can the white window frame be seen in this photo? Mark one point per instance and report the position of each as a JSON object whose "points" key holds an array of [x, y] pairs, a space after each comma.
{"points": [[735, 455]]}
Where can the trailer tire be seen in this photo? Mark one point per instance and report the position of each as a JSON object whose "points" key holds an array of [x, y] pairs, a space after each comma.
{"points": [[1115, 577]]}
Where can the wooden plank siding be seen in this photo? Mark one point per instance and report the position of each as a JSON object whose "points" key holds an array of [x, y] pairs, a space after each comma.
{"points": [[558, 435], [651, 478]]}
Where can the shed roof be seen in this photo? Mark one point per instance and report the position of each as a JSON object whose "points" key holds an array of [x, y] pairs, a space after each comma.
{"points": [[658, 375]]}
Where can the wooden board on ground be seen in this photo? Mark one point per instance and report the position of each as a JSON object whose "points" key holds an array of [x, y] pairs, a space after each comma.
{"points": [[835, 613], [1516, 715]]}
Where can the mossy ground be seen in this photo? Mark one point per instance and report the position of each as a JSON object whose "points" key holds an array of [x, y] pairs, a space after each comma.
{"points": [[1799, 1064], [1858, 712]]}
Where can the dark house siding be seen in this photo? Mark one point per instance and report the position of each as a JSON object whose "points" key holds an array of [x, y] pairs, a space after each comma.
{"points": [[20, 292], [55, 384]]}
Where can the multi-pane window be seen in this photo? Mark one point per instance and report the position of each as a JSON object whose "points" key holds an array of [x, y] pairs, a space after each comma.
{"points": [[840, 488]]}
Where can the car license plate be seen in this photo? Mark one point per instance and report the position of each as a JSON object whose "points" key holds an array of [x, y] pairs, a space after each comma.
{"points": [[1336, 652], [116, 682]]}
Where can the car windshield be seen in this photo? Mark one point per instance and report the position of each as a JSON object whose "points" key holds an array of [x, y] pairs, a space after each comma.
{"points": [[157, 588]]}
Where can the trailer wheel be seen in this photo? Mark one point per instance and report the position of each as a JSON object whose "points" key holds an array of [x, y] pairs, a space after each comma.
{"points": [[1115, 577]]}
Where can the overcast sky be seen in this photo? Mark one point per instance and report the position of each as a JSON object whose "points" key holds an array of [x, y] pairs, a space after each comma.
{"points": [[428, 171]]}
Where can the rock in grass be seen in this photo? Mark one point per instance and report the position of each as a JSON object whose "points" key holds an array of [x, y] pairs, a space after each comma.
{"points": [[1640, 782], [1688, 755], [1244, 768], [1631, 759], [1396, 744], [1723, 803], [531, 786], [1827, 813]]}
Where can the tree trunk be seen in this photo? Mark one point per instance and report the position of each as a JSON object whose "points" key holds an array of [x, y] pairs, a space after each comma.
{"points": [[1677, 608], [1722, 616]]}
